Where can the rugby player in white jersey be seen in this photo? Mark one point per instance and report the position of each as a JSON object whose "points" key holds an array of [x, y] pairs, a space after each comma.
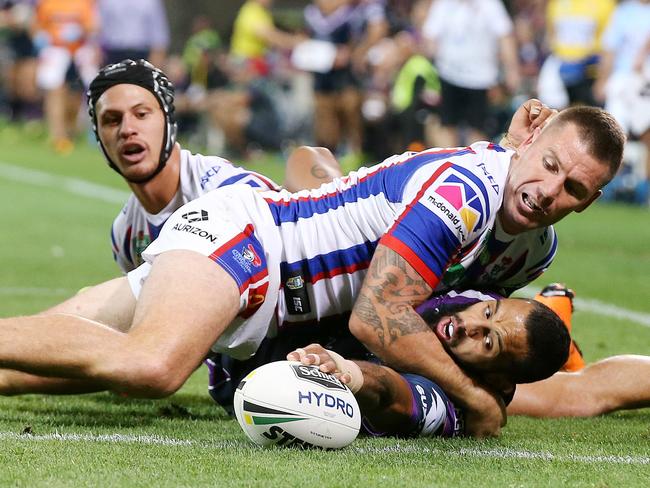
{"points": [[385, 236], [131, 105]]}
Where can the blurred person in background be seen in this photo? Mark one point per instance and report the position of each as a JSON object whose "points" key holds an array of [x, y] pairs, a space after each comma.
{"points": [[337, 112], [624, 84], [255, 35], [574, 32], [15, 22], [133, 29], [469, 40], [64, 34]]}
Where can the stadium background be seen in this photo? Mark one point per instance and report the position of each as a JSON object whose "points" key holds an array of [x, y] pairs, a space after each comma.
{"points": [[54, 240]]}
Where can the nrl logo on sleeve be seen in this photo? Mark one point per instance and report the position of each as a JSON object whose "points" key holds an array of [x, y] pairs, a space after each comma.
{"points": [[315, 375], [196, 216]]}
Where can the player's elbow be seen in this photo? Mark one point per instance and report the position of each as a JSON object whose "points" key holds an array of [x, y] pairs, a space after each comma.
{"points": [[364, 332]]}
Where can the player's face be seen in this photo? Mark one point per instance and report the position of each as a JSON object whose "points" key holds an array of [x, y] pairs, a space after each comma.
{"points": [[486, 336], [553, 176], [131, 126]]}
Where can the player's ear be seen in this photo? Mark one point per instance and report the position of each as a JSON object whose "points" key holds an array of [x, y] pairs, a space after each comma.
{"points": [[591, 200]]}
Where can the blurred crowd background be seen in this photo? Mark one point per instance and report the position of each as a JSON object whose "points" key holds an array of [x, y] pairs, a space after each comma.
{"points": [[365, 78]]}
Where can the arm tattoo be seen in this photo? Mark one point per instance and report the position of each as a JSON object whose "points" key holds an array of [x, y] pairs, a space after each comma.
{"points": [[317, 171], [390, 291]]}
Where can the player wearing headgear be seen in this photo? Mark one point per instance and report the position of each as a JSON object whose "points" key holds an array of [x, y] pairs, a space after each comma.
{"points": [[213, 283], [131, 106]]}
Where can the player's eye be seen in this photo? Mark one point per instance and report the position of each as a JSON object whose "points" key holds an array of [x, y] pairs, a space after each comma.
{"points": [[549, 165], [488, 312], [488, 343]]}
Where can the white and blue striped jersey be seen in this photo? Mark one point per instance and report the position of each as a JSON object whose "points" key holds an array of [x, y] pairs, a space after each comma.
{"points": [[134, 228], [437, 209]]}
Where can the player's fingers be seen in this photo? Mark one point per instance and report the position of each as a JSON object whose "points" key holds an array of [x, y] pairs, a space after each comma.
{"points": [[543, 117], [327, 365], [313, 359], [345, 378], [296, 355]]}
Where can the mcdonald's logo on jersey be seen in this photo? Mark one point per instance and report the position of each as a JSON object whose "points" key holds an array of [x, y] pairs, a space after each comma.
{"points": [[460, 195]]}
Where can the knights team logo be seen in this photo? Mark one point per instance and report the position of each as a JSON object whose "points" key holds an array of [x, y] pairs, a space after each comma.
{"points": [[461, 196], [251, 256]]}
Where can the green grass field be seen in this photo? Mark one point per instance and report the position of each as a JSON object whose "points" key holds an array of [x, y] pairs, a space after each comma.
{"points": [[55, 240]]}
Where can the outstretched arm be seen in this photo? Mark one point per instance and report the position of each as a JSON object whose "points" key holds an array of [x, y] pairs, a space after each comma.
{"points": [[383, 394], [385, 321]]}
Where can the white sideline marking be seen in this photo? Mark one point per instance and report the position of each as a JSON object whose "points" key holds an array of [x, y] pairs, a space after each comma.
{"points": [[498, 453], [600, 308], [76, 186]]}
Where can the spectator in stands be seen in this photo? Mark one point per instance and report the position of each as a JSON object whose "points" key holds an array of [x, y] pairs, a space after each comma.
{"points": [[337, 96], [254, 35], [624, 76], [574, 31], [134, 30], [64, 34], [15, 21], [468, 39]]}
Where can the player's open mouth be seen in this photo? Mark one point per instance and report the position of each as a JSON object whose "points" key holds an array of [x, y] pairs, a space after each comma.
{"points": [[445, 329], [528, 201], [133, 152]]}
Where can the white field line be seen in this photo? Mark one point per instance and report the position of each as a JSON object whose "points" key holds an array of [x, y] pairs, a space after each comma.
{"points": [[112, 195], [75, 186], [601, 308], [492, 453]]}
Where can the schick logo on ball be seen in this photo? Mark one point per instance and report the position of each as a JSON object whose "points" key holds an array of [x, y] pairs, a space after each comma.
{"points": [[315, 375], [326, 400]]}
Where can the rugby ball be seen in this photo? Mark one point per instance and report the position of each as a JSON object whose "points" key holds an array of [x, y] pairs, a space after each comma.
{"points": [[286, 403]]}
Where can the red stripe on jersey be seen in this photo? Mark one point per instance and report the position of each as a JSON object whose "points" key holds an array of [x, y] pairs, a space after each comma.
{"points": [[248, 231], [424, 188], [413, 259]]}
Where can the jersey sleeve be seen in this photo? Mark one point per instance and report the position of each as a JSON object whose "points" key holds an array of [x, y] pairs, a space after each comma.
{"points": [[432, 413], [215, 172], [451, 208]]}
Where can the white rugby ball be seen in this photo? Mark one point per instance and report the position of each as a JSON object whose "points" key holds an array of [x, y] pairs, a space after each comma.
{"points": [[286, 403]]}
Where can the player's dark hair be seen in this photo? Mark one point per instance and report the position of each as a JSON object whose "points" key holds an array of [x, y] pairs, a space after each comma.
{"points": [[548, 346], [600, 130]]}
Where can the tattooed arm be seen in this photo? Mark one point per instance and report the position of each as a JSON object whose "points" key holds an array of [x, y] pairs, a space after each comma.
{"points": [[310, 167], [385, 321]]}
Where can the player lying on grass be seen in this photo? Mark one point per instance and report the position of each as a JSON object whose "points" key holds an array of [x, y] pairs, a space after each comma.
{"points": [[131, 106], [409, 405], [237, 265]]}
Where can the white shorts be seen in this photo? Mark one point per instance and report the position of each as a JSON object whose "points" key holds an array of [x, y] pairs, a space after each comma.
{"points": [[54, 61], [233, 226], [628, 100]]}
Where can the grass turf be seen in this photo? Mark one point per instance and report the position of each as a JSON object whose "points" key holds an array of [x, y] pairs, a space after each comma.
{"points": [[55, 241]]}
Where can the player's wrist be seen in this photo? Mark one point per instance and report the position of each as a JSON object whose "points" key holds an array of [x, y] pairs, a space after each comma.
{"points": [[352, 369]]}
